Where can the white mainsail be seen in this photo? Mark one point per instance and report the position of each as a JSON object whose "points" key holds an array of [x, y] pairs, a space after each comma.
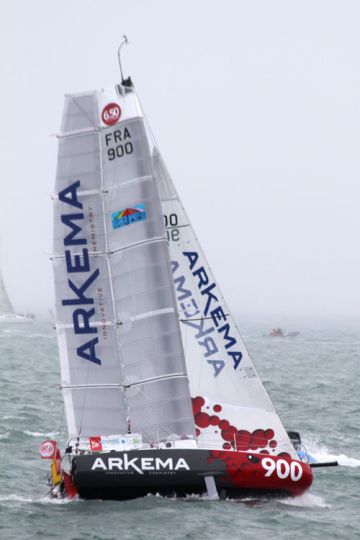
{"points": [[121, 354], [231, 405], [5, 304], [7, 313]]}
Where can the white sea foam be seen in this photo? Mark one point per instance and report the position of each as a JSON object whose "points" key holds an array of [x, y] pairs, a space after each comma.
{"points": [[322, 453], [49, 500], [39, 434], [15, 498], [307, 500], [12, 497], [4, 436], [41, 336]]}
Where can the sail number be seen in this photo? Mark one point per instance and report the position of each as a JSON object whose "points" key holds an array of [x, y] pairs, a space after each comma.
{"points": [[283, 468], [117, 144], [120, 150], [171, 223]]}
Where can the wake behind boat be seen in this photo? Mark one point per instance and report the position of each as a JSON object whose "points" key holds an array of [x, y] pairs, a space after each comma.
{"points": [[160, 393]]}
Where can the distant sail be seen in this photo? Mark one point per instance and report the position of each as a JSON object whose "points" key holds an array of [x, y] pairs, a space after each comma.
{"points": [[231, 405], [5, 304], [121, 354]]}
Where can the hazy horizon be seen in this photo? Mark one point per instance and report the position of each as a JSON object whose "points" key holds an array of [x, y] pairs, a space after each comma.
{"points": [[256, 109]]}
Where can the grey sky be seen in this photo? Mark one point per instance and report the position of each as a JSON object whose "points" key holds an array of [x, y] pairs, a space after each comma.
{"points": [[256, 108]]}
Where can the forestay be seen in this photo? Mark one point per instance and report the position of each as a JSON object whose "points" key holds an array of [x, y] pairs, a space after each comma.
{"points": [[121, 354], [231, 405]]}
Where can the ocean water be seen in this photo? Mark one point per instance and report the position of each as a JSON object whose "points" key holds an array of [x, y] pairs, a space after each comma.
{"points": [[313, 380]]}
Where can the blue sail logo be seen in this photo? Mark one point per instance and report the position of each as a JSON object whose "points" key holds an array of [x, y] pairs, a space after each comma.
{"points": [[128, 215]]}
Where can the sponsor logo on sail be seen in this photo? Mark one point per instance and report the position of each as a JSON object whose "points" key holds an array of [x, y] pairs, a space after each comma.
{"points": [[111, 114], [79, 264], [127, 216], [139, 464], [211, 325]]}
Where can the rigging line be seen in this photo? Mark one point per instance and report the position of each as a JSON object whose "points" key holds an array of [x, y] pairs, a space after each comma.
{"points": [[125, 386], [177, 226], [200, 318], [61, 421], [146, 120], [133, 180], [75, 132], [84, 399], [159, 378], [83, 111]]}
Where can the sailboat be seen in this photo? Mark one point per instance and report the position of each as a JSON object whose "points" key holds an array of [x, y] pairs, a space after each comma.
{"points": [[160, 393], [7, 313]]}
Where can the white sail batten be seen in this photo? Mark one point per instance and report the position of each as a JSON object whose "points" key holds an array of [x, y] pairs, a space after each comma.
{"points": [[120, 345], [231, 405]]}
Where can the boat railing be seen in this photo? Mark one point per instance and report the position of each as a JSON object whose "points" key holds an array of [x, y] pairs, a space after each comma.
{"points": [[85, 445]]}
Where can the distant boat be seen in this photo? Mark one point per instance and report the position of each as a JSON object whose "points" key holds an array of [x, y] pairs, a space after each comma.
{"points": [[7, 313], [279, 332]]}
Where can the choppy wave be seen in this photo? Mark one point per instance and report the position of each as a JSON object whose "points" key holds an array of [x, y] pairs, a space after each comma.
{"points": [[4, 436], [39, 434], [13, 497], [49, 336], [342, 459], [322, 453], [307, 500]]}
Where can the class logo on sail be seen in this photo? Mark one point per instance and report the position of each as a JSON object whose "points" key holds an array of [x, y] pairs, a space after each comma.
{"points": [[128, 216], [111, 114]]}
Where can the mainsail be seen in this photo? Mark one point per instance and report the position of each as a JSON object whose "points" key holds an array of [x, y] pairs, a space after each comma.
{"points": [[121, 353], [5, 304], [231, 406]]}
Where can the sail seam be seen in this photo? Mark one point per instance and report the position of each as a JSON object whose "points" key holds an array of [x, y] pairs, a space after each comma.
{"points": [[142, 242], [160, 378], [125, 386], [106, 253], [154, 313], [91, 129], [178, 226], [135, 180]]}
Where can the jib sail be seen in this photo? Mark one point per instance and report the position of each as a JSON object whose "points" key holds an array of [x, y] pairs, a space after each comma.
{"points": [[231, 406]]}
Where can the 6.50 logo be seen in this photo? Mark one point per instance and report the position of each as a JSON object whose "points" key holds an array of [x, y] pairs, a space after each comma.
{"points": [[111, 114]]}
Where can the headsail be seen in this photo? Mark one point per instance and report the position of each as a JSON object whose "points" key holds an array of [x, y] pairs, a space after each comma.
{"points": [[121, 354], [231, 405]]}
